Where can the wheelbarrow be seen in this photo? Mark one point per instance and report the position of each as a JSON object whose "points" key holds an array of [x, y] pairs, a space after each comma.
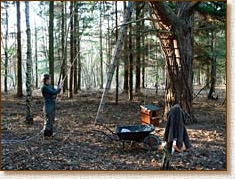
{"points": [[139, 133]]}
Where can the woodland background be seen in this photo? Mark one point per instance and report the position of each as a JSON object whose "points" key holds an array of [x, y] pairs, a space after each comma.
{"points": [[95, 27]]}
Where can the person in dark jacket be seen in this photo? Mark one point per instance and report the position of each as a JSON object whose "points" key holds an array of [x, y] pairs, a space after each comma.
{"points": [[49, 94], [175, 135]]}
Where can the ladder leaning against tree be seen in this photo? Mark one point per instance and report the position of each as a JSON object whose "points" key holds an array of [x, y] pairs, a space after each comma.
{"points": [[117, 53]]}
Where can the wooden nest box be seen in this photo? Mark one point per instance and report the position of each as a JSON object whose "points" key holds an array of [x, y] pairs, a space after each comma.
{"points": [[150, 114]]}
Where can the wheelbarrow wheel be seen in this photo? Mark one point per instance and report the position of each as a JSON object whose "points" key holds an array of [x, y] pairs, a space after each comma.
{"points": [[151, 142]]}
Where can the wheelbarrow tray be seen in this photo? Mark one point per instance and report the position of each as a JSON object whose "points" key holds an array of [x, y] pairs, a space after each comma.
{"points": [[135, 133]]}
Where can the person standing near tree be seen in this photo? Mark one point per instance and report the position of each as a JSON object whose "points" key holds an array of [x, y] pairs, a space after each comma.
{"points": [[49, 94]]}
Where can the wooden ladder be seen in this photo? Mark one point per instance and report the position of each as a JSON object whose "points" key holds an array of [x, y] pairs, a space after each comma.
{"points": [[117, 53], [166, 38]]}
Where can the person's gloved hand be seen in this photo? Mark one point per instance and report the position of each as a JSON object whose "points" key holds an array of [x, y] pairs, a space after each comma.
{"points": [[163, 143]]}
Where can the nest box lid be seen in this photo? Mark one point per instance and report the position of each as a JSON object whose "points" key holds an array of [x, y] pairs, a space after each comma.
{"points": [[151, 107]]}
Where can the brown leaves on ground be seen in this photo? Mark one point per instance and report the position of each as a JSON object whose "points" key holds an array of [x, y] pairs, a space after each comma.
{"points": [[78, 144]]}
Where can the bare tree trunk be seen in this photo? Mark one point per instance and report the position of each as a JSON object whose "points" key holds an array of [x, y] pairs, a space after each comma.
{"points": [[198, 77], [138, 52], [117, 68], [157, 68], [101, 48], [126, 61], [213, 67], [109, 46], [76, 40], [6, 54], [213, 78], [130, 65], [79, 63], [29, 114], [51, 41], [19, 53], [36, 58], [71, 51], [143, 57], [64, 47]]}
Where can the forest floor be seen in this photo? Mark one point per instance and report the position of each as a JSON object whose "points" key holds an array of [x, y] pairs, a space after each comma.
{"points": [[78, 144]]}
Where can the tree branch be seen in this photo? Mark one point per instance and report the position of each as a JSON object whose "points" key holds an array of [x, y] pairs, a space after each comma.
{"points": [[168, 16], [191, 6], [201, 90], [164, 11], [135, 21]]}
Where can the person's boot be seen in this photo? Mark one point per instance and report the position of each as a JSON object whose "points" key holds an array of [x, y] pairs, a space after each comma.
{"points": [[48, 133]]}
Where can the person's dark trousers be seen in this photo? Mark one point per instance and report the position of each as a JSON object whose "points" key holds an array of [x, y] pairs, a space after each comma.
{"points": [[49, 118], [187, 142]]}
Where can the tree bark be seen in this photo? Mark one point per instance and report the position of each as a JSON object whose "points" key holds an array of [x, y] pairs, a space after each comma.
{"points": [[6, 54], [117, 69], [213, 66], [76, 39], [63, 46], [143, 57], [19, 53], [71, 51], [138, 52], [177, 43], [126, 68], [51, 41], [36, 57], [101, 48], [29, 114], [130, 65]]}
